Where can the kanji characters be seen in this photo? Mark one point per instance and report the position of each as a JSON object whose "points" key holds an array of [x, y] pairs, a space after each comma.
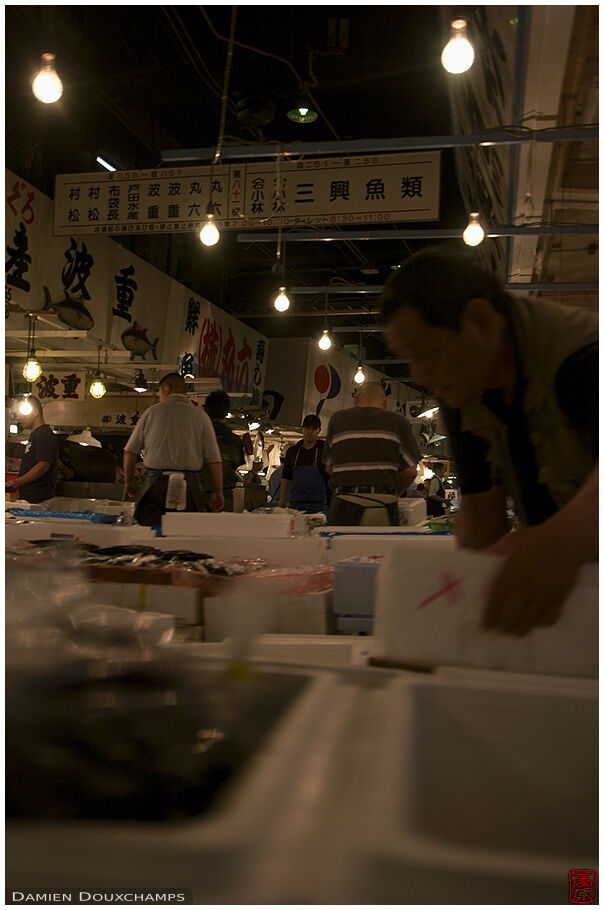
{"points": [[411, 186], [242, 374], [375, 189], [70, 385], [46, 386], [228, 361], [125, 287], [192, 320], [76, 270], [340, 189], [120, 418], [19, 259]]}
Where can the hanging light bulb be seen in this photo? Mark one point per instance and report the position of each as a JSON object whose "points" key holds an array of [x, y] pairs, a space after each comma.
{"points": [[46, 85], [13, 428], [282, 301], [458, 54], [473, 234], [209, 234], [324, 341], [31, 370], [140, 383], [428, 412], [97, 387], [359, 376]]}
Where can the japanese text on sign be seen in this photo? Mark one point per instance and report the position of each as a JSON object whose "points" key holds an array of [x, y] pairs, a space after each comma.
{"points": [[355, 190]]}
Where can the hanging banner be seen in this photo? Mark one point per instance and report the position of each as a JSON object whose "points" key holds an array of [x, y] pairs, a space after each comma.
{"points": [[54, 385], [214, 343], [354, 190], [28, 216]]}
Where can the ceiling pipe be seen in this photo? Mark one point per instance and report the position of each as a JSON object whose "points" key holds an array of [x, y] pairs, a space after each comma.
{"points": [[508, 286], [557, 230], [361, 146]]}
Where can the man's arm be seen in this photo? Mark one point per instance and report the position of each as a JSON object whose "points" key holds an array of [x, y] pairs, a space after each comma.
{"points": [[216, 496], [284, 488], [406, 478], [542, 564], [482, 519], [38, 470], [441, 499], [129, 465]]}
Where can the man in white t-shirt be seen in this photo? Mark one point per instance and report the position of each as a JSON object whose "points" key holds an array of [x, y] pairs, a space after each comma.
{"points": [[176, 438]]}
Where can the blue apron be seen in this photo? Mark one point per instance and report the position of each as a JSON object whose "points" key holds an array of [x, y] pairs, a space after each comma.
{"points": [[307, 492]]}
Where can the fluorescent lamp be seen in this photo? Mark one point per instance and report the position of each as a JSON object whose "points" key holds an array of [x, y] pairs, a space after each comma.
{"points": [[104, 163]]}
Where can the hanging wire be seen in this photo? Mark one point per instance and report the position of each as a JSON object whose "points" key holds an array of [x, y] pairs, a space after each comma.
{"points": [[224, 103]]}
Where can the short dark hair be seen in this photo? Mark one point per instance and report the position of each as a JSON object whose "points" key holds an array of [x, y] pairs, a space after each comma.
{"points": [[35, 403], [217, 405], [438, 283], [175, 383], [311, 420]]}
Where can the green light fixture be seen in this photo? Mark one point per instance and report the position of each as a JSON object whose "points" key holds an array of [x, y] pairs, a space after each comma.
{"points": [[301, 112]]}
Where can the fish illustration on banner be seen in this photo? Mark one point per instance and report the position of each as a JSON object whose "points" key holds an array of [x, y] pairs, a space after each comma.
{"points": [[70, 310], [327, 383], [135, 340]]}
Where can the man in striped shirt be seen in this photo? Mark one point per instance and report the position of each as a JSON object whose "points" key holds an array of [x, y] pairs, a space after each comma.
{"points": [[372, 456]]}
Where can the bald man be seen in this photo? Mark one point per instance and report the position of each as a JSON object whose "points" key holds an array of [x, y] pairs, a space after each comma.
{"points": [[371, 456]]}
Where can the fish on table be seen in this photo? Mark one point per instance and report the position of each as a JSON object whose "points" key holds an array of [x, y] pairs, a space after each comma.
{"points": [[71, 311], [136, 341]]}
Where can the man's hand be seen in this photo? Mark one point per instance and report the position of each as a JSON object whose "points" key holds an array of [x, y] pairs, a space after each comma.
{"points": [[131, 489], [533, 582], [217, 501], [282, 504], [10, 486]]}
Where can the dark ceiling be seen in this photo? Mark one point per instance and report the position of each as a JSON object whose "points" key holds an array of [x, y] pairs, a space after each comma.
{"points": [[142, 79]]}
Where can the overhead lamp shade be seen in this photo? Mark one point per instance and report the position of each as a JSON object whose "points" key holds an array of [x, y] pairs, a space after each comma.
{"points": [[301, 112], [85, 438], [140, 383]]}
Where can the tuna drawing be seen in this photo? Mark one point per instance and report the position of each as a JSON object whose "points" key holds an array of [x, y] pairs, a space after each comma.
{"points": [[135, 340], [71, 311]]}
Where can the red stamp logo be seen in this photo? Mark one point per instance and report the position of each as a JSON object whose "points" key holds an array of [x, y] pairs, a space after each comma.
{"points": [[583, 886]]}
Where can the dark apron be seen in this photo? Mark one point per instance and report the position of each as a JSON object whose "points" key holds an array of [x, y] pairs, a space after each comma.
{"points": [[435, 509], [307, 492], [150, 503]]}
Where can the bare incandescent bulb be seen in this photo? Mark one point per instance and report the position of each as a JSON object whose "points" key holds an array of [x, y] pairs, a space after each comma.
{"points": [[209, 234], [359, 376], [46, 85], [324, 341], [31, 370], [97, 387], [473, 234], [281, 301], [458, 53]]}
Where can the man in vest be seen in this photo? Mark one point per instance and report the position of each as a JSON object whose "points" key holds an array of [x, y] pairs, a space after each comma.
{"points": [[515, 379], [436, 500]]}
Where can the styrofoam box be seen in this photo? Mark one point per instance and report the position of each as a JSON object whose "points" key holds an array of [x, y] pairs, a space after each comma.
{"points": [[412, 511], [293, 551], [305, 614], [227, 524], [339, 548], [184, 604], [354, 582], [102, 535], [312, 650], [103, 506], [374, 787]]}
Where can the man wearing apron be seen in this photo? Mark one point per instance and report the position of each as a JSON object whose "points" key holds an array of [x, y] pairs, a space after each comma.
{"points": [[176, 439], [436, 501], [304, 479]]}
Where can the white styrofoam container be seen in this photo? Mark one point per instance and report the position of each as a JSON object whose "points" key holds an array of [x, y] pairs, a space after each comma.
{"points": [[348, 546], [185, 604], [227, 524], [311, 650], [277, 613], [375, 788], [293, 551], [102, 535], [412, 511]]}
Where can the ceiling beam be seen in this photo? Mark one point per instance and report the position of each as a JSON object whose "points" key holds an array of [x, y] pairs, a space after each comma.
{"points": [[508, 286], [557, 230], [516, 136]]}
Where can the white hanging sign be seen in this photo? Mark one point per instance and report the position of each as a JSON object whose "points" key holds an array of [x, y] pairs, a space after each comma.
{"points": [[366, 189]]}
